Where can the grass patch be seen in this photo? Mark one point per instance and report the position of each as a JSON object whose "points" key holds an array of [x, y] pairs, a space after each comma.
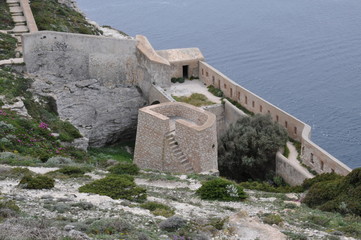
{"points": [[196, 99], [7, 46], [267, 187], [53, 16], [118, 152], [6, 21]]}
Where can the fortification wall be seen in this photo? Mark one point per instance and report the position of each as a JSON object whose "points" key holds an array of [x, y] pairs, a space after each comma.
{"points": [[292, 173], [109, 60], [312, 155]]}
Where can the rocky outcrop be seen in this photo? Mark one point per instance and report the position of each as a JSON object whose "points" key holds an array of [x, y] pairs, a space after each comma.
{"points": [[103, 115]]}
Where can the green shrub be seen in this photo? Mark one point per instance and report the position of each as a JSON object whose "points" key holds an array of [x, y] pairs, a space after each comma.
{"points": [[221, 189], [342, 194], [116, 187], [59, 161], [286, 151], [319, 178], [124, 168], [158, 209], [8, 209], [37, 182], [215, 91], [70, 171], [193, 77], [18, 173], [272, 219], [267, 187], [173, 223], [180, 80]]}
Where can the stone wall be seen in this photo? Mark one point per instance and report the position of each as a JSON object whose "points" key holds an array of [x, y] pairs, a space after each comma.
{"points": [[312, 155], [292, 173], [167, 132]]}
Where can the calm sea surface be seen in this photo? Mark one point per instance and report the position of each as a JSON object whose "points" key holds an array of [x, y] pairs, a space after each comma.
{"points": [[304, 56]]}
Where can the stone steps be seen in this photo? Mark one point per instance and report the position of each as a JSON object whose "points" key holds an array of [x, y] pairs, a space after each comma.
{"points": [[178, 154]]}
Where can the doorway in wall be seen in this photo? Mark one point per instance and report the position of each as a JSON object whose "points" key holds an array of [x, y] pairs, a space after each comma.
{"points": [[185, 71]]}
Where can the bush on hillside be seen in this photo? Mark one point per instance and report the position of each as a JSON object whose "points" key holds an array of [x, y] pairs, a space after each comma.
{"points": [[37, 182], [172, 224], [158, 209], [248, 149], [320, 178], [342, 194], [116, 187], [8, 209], [222, 190], [124, 168]]}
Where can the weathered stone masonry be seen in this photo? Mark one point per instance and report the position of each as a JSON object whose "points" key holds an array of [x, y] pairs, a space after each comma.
{"points": [[176, 137]]}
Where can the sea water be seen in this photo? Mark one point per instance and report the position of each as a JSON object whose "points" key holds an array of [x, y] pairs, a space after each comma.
{"points": [[303, 56]]}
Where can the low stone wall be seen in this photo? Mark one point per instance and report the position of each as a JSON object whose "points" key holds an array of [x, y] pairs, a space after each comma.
{"points": [[292, 173], [312, 155]]}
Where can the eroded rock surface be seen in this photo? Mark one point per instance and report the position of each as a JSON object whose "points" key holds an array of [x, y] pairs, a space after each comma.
{"points": [[103, 115]]}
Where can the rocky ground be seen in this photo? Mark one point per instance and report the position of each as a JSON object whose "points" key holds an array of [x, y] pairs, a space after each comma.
{"points": [[66, 210]]}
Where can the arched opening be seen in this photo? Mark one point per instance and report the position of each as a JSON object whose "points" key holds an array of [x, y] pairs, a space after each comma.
{"points": [[155, 102]]}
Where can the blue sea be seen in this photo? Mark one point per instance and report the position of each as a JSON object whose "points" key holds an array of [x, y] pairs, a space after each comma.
{"points": [[304, 56]]}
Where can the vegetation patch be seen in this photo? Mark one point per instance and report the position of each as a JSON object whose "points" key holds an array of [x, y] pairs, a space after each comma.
{"points": [[124, 168], [196, 99], [14, 172], [32, 136], [100, 156], [175, 80], [116, 187], [8, 209], [271, 219], [342, 194], [7, 46], [240, 106], [268, 187], [70, 172], [158, 209], [37, 182], [6, 21], [53, 16], [248, 149], [215, 91], [221, 189]]}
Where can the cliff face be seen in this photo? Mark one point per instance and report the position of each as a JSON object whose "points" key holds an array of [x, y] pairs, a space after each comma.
{"points": [[102, 115]]}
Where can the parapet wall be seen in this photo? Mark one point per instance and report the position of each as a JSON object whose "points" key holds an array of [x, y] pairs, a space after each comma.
{"points": [[109, 60], [312, 155]]}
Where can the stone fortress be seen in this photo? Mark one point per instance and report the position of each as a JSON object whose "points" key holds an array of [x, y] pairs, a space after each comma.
{"points": [[170, 136]]}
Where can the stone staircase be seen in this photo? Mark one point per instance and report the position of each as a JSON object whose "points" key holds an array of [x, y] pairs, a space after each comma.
{"points": [[19, 20], [177, 152]]}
